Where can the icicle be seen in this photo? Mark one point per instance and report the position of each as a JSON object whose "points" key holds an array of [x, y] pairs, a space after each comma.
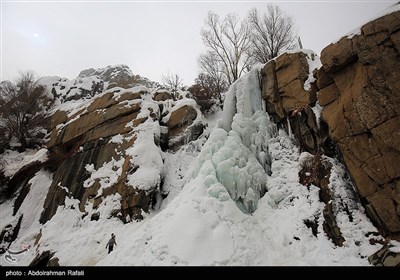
{"points": [[289, 127]]}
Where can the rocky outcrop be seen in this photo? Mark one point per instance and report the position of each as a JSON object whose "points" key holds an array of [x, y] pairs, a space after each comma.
{"points": [[182, 125], [359, 88], [289, 96], [316, 170], [85, 138], [91, 82], [114, 76], [111, 147], [385, 257]]}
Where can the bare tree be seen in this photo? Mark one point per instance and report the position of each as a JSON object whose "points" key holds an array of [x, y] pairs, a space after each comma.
{"points": [[272, 33], [207, 91], [227, 42], [172, 82], [22, 107], [212, 77]]}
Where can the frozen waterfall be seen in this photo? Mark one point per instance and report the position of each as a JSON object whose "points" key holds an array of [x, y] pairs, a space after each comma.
{"points": [[236, 154]]}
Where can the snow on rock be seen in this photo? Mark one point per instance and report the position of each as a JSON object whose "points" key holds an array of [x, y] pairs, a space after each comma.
{"points": [[203, 226], [185, 122], [146, 158], [313, 63], [107, 175], [30, 211], [238, 203], [394, 246], [12, 161]]}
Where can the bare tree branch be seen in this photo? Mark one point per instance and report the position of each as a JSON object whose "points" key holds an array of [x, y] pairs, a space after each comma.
{"points": [[172, 82], [227, 42], [272, 33]]}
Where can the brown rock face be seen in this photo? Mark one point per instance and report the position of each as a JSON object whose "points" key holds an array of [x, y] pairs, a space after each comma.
{"points": [[359, 86], [292, 72], [180, 126], [82, 143], [85, 139], [289, 104]]}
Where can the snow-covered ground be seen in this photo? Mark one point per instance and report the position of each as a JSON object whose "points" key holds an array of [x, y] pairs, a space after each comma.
{"points": [[238, 201]]}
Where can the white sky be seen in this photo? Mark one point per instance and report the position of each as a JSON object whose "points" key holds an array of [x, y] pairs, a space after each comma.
{"points": [[152, 38]]}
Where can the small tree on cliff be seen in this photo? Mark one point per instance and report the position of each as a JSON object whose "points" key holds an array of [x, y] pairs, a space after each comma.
{"points": [[22, 109], [172, 82], [272, 33]]}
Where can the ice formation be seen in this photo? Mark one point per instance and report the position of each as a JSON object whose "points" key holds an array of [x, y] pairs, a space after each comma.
{"points": [[236, 154]]}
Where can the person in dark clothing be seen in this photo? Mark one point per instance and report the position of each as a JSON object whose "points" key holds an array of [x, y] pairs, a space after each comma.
{"points": [[111, 243]]}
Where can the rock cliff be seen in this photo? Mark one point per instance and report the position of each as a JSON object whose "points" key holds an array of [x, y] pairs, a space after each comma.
{"points": [[359, 88], [108, 145], [105, 162], [347, 106]]}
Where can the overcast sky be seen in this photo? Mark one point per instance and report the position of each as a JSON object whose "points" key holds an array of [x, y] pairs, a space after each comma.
{"points": [[63, 38]]}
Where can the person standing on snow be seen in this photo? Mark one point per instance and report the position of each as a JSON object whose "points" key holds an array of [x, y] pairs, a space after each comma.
{"points": [[111, 243]]}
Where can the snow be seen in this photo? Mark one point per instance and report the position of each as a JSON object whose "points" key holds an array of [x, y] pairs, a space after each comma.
{"points": [[175, 105], [234, 199], [197, 228], [313, 63], [317, 110], [12, 161], [118, 139], [31, 209], [107, 175], [394, 246], [146, 157], [243, 97]]}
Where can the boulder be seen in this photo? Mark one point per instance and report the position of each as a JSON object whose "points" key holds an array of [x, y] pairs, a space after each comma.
{"points": [[162, 96], [115, 75], [181, 128], [181, 117], [385, 257]]}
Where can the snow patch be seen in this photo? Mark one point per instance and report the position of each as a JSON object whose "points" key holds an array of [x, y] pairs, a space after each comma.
{"points": [[145, 157], [313, 63], [12, 161]]}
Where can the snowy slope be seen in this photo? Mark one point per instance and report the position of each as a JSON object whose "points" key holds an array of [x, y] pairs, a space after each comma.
{"points": [[237, 202]]}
